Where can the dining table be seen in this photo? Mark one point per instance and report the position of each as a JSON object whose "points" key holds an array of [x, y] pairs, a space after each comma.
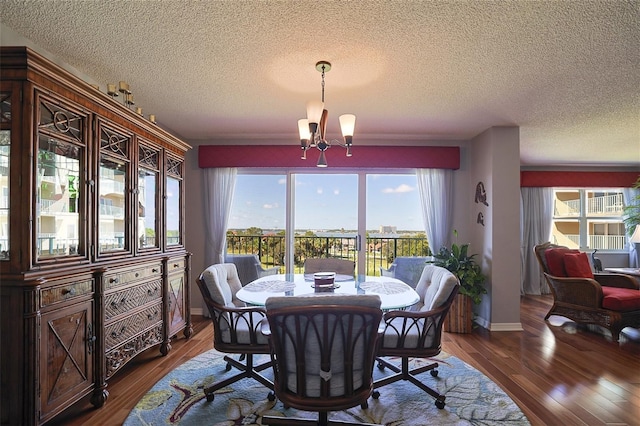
{"points": [[394, 294]]}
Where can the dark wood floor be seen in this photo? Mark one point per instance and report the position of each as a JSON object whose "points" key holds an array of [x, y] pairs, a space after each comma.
{"points": [[557, 373]]}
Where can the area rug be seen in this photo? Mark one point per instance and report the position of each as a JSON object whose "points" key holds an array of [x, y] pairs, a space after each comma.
{"points": [[471, 399]]}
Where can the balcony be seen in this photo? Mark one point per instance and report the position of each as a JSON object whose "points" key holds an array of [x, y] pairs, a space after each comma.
{"points": [[380, 251], [605, 205], [602, 242]]}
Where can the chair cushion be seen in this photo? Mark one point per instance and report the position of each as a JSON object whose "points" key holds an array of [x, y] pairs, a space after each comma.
{"points": [[246, 265], [434, 287], [555, 260], [223, 283], [411, 332], [339, 266], [620, 299], [243, 331], [408, 269], [577, 265]]}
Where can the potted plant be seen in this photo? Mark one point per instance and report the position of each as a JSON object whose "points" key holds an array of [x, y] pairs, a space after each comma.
{"points": [[463, 265]]}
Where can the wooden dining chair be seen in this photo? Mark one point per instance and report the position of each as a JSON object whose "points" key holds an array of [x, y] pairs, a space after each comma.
{"points": [[418, 333], [330, 264], [236, 328], [323, 348]]}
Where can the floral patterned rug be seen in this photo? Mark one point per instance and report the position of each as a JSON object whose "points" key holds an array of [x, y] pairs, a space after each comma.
{"points": [[472, 399]]}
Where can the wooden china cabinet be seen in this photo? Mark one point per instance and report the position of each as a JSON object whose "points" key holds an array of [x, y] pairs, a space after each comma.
{"points": [[93, 268]]}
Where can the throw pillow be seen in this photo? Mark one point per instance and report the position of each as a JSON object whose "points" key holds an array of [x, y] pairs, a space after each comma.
{"points": [[577, 265], [555, 262]]}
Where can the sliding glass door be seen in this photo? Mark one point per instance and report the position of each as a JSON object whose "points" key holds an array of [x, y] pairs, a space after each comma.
{"points": [[325, 214], [367, 217]]}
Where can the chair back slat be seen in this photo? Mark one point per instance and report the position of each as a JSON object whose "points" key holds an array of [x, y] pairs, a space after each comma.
{"points": [[323, 348]]}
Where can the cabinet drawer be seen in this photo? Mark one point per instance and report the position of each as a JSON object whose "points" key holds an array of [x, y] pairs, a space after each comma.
{"points": [[122, 277], [122, 301], [67, 291], [124, 329], [119, 356], [175, 264]]}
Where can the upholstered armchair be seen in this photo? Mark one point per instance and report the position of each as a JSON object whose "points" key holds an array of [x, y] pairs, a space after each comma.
{"points": [[608, 300], [249, 267], [323, 347], [406, 268], [418, 333], [236, 328], [331, 264]]}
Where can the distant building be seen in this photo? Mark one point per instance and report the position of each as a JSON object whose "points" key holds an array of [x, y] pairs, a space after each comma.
{"points": [[388, 229]]}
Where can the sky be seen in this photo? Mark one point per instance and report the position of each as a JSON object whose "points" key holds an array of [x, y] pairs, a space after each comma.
{"points": [[326, 201]]}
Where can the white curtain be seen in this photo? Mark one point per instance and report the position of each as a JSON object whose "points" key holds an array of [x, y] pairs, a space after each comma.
{"points": [[536, 220], [219, 185], [436, 196], [629, 195]]}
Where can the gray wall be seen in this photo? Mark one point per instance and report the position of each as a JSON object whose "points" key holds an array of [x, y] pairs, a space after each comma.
{"points": [[496, 163], [498, 248]]}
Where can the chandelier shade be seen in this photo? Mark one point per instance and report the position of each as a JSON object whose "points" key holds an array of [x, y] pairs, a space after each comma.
{"points": [[312, 130]]}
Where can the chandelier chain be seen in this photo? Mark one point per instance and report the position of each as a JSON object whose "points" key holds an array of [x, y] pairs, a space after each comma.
{"points": [[323, 66]]}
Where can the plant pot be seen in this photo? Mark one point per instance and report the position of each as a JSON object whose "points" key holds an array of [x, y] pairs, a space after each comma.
{"points": [[460, 316]]}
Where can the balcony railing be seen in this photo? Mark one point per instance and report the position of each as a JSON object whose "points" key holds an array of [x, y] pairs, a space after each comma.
{"points": [[605, 205], [600, 242], [380, 251]]}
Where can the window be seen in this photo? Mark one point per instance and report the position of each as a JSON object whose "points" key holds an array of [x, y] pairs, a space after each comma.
{"points": [[366, 217], [589, 219]]}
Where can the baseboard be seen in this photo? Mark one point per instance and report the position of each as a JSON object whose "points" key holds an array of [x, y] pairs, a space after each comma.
{"points": [[197, 311], [481, 322], [506, 326], [503, 326]]}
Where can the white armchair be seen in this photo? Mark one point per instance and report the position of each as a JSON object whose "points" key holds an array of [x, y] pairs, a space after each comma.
{"points": [[406, 269], [417, 333], [249, 267]]}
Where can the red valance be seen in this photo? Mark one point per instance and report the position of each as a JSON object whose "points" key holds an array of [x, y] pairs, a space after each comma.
{"points": [[578, 179], [288, 156]]}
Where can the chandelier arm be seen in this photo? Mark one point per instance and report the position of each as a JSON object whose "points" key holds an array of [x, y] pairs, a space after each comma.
{"points": [[337, 142], [330, 143], [317, 117]]}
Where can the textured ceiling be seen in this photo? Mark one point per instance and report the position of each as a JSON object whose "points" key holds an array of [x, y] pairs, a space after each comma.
{"points": [[566, 72]]}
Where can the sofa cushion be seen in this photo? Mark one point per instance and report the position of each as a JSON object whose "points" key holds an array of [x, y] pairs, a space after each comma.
{"points": [[577, 265], [620, 299], [555, 260]]}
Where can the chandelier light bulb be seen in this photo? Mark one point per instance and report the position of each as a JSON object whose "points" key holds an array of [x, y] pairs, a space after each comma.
{"points": [[314, 114], [303, 129]]}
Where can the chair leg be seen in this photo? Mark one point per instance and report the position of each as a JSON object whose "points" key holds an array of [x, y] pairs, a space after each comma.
{"points": [[404, 373], [289, 421], [247, 370]]}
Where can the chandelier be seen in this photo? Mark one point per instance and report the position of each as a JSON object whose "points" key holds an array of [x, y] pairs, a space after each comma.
{"points": [[312, 129]]}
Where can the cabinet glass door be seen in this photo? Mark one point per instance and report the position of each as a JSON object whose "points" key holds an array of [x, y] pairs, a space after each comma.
{"points": [[114, 195], [58, 194], [60, 186], [5, 150], [147, 195], [173, 211], [173, 207], [111, 216]]}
